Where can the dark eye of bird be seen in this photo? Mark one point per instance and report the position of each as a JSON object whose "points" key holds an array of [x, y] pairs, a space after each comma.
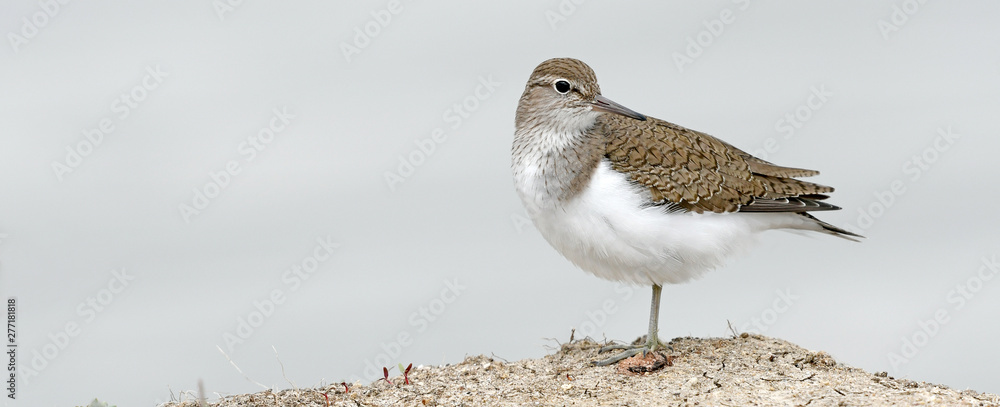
{"points": [[562, 86]]}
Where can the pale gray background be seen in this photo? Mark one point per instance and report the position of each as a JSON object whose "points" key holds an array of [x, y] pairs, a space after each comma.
{"points": [[456, 216]]}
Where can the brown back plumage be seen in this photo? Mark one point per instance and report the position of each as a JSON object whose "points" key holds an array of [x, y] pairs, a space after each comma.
{"points": [[701, 173]]}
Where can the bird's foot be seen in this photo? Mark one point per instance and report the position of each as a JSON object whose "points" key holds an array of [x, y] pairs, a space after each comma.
{"points": [[628, 351]]}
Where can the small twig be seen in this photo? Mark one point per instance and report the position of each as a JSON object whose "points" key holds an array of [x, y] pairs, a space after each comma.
{"points": [[558, 344], [283, 368], [789, 378], [731, 329], [241, 371], [494, 355]]}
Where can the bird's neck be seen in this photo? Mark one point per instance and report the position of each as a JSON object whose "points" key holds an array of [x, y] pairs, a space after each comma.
{"points": [[552, 167]]}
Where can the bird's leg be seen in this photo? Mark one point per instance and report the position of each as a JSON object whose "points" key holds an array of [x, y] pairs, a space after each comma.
{"points": [[652, 340]]}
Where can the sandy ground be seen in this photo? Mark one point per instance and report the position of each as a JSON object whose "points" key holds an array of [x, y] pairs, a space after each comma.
{"points": [[749, 370]]}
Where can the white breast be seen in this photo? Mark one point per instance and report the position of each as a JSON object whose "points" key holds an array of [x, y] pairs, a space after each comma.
{"points": [[606, 231]]}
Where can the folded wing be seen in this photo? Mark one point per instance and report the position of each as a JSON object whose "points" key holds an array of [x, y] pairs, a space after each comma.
{"points": [[700, 173]]}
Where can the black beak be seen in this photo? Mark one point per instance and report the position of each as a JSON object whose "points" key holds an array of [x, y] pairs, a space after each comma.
{"points": [[604, 104]]}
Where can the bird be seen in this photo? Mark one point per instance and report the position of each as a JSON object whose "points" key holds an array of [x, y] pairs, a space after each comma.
{"points": [[635, 199]]}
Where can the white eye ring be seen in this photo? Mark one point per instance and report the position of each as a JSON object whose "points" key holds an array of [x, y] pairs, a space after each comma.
{"points": [[562, 86]]}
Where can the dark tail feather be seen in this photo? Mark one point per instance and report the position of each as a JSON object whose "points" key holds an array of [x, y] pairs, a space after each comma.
{"points": [[833, 230]]}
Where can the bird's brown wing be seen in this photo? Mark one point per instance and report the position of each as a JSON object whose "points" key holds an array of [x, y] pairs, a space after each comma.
{"points": [[701, 173]]}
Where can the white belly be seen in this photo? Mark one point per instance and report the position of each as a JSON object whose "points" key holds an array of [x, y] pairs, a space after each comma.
{"points": [[604, 230]]}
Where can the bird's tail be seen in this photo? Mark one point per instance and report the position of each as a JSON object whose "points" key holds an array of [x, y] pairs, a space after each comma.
{"points": [[833, 230]]}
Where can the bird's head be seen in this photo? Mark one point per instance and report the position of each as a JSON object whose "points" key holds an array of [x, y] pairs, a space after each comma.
{"points": [[562, 95]]}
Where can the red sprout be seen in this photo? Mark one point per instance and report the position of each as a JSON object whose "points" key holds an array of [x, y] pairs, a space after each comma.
{"points": [[406, 377]]}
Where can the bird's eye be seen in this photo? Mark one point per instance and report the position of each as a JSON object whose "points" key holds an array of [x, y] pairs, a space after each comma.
{"points": [[562, 86]]}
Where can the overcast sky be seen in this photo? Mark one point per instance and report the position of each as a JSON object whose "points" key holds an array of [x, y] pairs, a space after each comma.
{"points": [[331, 181]]}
